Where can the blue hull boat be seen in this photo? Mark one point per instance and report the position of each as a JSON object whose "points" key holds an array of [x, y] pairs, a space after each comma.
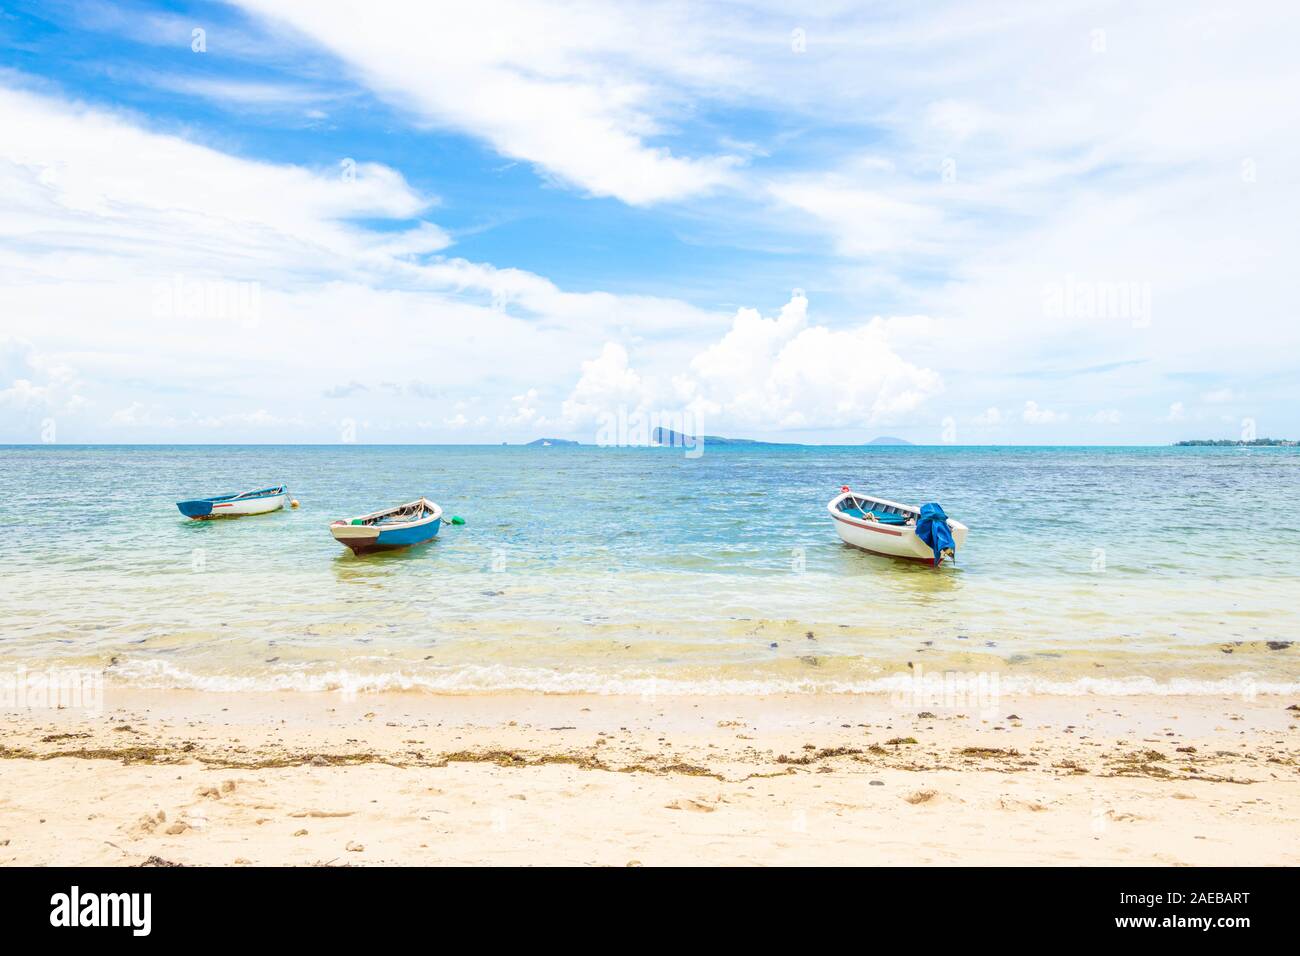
{"points": [[412, 523], [233, 506]]}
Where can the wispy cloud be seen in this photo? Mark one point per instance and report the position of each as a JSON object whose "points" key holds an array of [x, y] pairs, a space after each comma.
{"points": [[241, 95], [345, 391], [575, 89]]}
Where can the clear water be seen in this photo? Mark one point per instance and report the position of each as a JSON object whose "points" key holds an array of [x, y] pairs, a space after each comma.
{"points": [[633, 570]]}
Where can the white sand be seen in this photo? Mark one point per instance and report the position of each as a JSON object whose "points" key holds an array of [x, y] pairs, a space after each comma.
{"points": [[531, 779]]}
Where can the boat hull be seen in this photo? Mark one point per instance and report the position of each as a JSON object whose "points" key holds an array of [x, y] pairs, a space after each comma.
{"points": [[365, 539], [203, 509], [893, 541]]}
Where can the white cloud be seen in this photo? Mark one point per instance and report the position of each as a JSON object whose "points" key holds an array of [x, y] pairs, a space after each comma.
{"points": [[1106, 416], [33, 384], [784, 373], [81, 184], [97, 215], [345, 391], [989, 417], [525, 412], [606, 385], [772, 374], [283, 99], [864, 221], [421, 240], [259, 418], [579, 89], [140, 414], [152, 416], [1057, 170], [1034, 415], [1176, 412]]}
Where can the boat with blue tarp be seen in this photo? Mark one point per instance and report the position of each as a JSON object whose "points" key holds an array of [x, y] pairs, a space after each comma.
{"points": [[886, 527]]}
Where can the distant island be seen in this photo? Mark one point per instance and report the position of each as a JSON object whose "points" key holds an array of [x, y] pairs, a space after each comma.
{"points": [[675, 439], [1239, 443], [668, 438]]}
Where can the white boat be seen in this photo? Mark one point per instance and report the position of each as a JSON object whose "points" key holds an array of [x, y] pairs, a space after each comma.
{"points": [[885, 527], [258, 502]]}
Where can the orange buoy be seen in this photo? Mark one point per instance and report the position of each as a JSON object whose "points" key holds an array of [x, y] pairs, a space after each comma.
{"points": [[293, 502]]}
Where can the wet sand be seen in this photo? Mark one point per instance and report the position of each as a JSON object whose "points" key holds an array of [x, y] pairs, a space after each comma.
{"points": [[178, 777]]}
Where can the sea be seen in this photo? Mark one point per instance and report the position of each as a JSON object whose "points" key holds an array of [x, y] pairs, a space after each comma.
{"points": [[1166, 570]]}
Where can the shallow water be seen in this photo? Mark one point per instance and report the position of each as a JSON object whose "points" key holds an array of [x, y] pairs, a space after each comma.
{"points": [[632, 570]]}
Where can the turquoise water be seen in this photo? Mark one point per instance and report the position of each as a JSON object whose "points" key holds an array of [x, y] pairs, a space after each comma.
{"points": [[634, 569]]}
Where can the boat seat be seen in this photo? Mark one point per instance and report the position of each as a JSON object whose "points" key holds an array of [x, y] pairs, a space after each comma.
{"points": [[880, 513], [889, 517]]}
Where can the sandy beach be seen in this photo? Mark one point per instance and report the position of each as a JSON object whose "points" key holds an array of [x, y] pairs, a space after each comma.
{"points": [[163, 778]]}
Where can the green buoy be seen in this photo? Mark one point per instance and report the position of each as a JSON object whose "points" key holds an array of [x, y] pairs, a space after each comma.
{"points": [[457, 519]]}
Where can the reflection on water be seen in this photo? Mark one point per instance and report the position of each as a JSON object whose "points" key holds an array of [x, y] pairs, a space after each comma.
{"points": [[605, 568]]}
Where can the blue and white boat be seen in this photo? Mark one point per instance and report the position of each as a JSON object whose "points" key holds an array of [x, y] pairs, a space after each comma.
{"points": [[233, 506], [412, 523]]}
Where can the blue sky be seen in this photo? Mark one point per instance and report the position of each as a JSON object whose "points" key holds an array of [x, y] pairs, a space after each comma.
{"points": [[978, 223]]}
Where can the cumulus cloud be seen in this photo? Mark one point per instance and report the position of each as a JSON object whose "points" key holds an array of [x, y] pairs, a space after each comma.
{"points": [[138, 413], [989, 417], [1034, 415], [1106, 416], [783, 372], [771, 374], [32, 383], [606, 384], [525, 411]]}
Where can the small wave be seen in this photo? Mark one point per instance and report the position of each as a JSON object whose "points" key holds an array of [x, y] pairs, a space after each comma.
{"points": [[502, 679]]}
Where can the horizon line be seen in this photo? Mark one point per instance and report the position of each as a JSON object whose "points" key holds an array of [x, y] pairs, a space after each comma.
{"points": [[732, 443]]}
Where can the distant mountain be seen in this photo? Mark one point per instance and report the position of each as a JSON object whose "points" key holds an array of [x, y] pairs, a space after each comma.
{"points": [[553, 441], [674, 439], [888, 440]]}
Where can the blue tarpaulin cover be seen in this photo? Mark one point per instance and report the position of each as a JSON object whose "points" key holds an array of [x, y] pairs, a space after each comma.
{"points": [[932, 528]]}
